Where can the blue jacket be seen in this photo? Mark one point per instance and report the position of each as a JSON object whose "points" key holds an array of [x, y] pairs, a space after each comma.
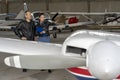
{"points": [[40, 29]]}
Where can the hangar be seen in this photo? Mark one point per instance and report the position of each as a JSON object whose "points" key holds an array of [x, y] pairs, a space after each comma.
{"points": [[79, 29]]}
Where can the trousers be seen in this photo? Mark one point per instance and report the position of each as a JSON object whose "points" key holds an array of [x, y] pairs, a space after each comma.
{"points": [[44, 39]]}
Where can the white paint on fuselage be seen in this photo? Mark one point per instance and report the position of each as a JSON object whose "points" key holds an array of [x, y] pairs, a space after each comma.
{"points": [[87, 39], [104, 54]]}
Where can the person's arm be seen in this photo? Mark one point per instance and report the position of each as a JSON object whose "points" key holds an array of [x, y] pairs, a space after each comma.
{"points": [[34, 28], [35, 32], [46, 26], [18, 31]]}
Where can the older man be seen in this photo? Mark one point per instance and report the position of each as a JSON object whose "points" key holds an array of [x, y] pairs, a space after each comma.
{"points": [[25, 30]]}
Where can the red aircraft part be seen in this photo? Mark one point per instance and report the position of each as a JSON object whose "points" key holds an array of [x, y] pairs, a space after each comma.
{"points": [[72, 20]]}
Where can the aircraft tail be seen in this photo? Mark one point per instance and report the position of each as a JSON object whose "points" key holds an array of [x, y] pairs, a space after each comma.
{"points": [[22, 12], [20, 15]]}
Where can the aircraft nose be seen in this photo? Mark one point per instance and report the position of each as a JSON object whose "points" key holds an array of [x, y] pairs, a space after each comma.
{"points": [[103, 60], [108, 72]]}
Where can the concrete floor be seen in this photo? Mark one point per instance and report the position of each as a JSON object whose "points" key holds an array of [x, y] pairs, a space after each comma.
{"points": [[8, 73]]}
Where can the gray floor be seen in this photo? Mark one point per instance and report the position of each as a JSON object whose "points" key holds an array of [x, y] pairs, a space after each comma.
{"points": [[8, 73]]}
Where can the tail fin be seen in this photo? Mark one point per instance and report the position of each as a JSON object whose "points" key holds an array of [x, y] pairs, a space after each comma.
{"points": [[20, 15]]}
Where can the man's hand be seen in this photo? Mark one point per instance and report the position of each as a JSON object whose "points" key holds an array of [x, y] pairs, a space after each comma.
{"points": [[43, 32], [23, 38], [36, 38]]}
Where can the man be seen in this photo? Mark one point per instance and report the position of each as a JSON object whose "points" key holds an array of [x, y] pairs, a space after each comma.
{"points": [[25, 30]]}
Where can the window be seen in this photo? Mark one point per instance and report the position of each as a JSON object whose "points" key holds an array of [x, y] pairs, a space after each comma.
{"points": [[76, 50]]}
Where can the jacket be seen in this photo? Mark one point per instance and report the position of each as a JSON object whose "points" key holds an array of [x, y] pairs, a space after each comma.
{"points": [[25, 29], [45, 27]]}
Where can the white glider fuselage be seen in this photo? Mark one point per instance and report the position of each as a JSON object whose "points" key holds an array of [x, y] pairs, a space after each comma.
{"points": [[96, 52], [102, 54]]}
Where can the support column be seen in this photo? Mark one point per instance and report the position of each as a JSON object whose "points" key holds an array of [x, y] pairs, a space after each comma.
{"points": [[47, 5], [89, 8]]}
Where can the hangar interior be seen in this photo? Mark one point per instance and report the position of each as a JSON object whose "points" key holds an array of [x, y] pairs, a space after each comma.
{"points": [[14, 6]]}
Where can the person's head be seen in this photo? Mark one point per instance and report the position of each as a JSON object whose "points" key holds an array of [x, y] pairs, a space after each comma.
{"points": [[28, 15], [42, 17]]}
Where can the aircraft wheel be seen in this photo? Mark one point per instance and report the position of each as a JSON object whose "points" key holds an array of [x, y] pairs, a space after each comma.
{"points": [[71, 30], [59, 31], [54, 35], [54, 28], [49, 71], [24, 70]]}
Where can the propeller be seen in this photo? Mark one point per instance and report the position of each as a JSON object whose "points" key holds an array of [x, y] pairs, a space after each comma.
{"points": [[53, 18], [105, 22]]}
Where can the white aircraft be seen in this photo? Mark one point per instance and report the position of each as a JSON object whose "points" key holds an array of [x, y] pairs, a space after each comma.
{"points": [[89, 55], [7, 23], [109, 18], [36, 14]]}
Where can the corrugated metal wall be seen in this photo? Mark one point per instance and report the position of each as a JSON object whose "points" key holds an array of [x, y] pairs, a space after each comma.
{"points": [[66, 5]]}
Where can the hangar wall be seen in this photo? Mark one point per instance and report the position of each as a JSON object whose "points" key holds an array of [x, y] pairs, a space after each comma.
{"points": [[64, 5], [33, 6], [100, 6], [68, 6], [53, 6], [83, 5]]}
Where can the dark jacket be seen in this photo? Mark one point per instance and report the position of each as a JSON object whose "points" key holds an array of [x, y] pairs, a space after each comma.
{"points": [[45, 25], [25, 29]]}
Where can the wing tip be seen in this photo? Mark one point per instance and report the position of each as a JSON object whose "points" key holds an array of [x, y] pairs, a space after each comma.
{"points": [[7, 61]]}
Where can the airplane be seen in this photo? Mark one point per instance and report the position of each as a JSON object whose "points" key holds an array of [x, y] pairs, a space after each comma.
{"points": [[8, 23], [109, 18], [87, 54], [65, 22], [71, 21], [60, 19]]}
